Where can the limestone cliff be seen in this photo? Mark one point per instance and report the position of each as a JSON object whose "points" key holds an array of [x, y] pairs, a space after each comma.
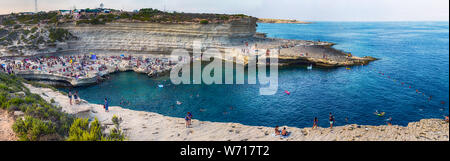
{"points": [[156, 37], [145, 37]]}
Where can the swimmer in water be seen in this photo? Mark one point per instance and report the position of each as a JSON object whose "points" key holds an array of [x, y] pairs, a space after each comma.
{"points": [[388, 121]]}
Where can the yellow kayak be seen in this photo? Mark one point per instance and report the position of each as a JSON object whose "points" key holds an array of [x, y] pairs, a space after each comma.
{"points": [[381, 114]]}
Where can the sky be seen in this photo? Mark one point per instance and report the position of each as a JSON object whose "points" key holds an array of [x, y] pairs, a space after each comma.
{"points": [[303, 10]]}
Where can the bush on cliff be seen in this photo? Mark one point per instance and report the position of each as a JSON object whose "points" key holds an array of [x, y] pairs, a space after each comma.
{"points": [[32, 129], [42, 120], [125, 16], [8, 22], [81, 130], [94, 21], [204, 22], [116, 134], [59, 34]]}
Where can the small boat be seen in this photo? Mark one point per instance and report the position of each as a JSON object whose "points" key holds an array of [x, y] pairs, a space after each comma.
{"points": [[309, 67]]}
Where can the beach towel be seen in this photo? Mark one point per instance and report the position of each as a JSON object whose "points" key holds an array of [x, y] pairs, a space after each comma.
{"points": [[287, 135], [281, 136]]}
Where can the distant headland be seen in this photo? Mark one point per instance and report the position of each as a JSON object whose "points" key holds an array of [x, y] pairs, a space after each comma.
{"points": [[269, 20]]}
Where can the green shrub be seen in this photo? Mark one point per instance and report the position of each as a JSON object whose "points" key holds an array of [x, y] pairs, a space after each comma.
{"points": [[94, 21], [82, 131], [125, 15], [116, 134], [204, 22], [3, 86], [33, 30], [17, 26], [32, 129], [9, 22], [59, 34], [46, 123]]}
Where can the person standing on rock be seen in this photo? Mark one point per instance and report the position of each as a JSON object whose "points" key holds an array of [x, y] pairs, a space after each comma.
{"points": [[105, 106], [331, 120], [316, 122], [75, 97], [70, 97], [188, 119]]}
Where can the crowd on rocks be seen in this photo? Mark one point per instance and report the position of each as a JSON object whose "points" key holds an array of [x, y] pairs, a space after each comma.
{"points": [[83, 66]]}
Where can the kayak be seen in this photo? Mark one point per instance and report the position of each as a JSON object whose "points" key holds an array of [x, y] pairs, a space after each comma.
{"points": [[381, 114]]}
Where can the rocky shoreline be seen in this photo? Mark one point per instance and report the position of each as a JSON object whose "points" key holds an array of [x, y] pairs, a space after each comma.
{"points": [[148, 126], [269, 20], [239, 36], [288, 53]]}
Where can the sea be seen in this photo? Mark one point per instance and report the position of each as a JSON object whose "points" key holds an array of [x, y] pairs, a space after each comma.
{"points": [[409, 82]]}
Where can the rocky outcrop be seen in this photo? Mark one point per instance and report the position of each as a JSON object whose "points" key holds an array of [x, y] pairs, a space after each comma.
{"points": [[55, 79], [269, 20]]}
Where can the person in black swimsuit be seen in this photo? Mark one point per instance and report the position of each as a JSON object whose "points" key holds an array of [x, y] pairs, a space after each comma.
{"points": [[331, 120], [316, 122], [70, 97]]}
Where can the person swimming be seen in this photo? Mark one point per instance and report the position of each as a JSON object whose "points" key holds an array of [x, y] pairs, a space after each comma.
{"points": [[388, 121], [379, 113]]}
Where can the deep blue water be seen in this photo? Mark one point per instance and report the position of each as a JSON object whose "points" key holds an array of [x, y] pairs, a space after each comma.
{"points": [[416, 53]]}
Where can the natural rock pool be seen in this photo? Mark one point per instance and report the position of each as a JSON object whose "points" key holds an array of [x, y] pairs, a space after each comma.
{"points": [[413, 53]]}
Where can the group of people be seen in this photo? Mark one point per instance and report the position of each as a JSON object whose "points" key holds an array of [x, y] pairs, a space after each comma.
{"points": [[75, 97], [188, 119], [77, 100], [69, 66], [332, 120], [6, 69], [82, 66], [279, 132]]}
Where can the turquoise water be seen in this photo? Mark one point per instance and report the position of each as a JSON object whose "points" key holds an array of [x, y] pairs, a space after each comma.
{"points": [[416, 53]]}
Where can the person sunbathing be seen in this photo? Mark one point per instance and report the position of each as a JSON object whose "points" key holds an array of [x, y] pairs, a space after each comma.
{"points": [[277, 131], [284, 132]]}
